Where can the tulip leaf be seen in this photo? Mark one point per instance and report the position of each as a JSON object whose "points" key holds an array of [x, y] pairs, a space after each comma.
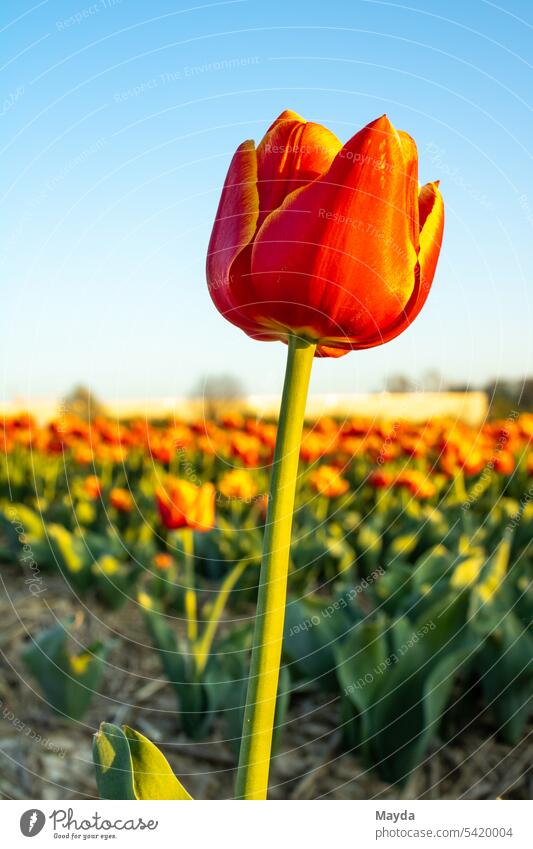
{"points": [[178, 666], [112, 579], [205, 642], [398, 737], [113, 764], [152, 775], [311, 633], [129, 766], [20, 523], [361, 660], [71, 555], [506, 676], [68, 680]]}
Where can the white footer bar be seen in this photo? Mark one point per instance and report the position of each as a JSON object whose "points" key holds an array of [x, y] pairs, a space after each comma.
{"points": [[274, 825]]}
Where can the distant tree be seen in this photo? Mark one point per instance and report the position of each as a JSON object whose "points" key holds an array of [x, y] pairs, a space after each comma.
{"points": [[218, 391], [508, 395], [399, 383], [433, 381], [81, 402], [525, 394], [460, 387]]}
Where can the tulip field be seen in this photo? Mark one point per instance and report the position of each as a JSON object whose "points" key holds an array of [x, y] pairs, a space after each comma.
{"points": [[266, 427], [131, 554]]}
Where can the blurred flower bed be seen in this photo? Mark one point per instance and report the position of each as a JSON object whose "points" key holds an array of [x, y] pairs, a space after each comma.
{"points": [[411, 562]]}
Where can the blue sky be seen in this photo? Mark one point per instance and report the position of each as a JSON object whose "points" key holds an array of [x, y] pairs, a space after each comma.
{"points": [[120, 118]]}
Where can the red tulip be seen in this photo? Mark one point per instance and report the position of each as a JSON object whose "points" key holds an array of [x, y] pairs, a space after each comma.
{"points": [[182, 504], [380, 480], [337, 244], [504, 462], [417, 483]]}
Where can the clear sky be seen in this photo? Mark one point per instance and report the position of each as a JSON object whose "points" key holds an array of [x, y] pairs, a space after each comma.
{"points": [[119, 121]]}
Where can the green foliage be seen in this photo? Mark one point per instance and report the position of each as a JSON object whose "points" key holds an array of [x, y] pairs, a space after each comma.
{"points": [[506, 676], [71, 555], [113, 580], [320, 553], [398, 677], [128, 766], [207, 687], [312, 628], [68, 679], [201, 692]]}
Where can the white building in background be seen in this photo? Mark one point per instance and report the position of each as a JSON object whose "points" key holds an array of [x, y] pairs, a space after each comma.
{"points": [[470, 407]]}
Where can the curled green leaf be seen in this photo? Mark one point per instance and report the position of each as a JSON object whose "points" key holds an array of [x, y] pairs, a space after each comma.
{"points": [[129, 766]]}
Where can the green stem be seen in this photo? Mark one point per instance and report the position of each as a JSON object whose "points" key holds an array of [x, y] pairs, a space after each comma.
{"points": [[459, 486], [191, 604], [204, 643], [321, 514], [256, 743], [106, 475], [50, 481]]}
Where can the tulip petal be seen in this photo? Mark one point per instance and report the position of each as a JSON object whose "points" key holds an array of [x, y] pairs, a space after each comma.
{"points": [[431, 229], [291, 154], [286, 115], [431, 210], [234, 228], [336, 261], [410, 155], [324, 351]]}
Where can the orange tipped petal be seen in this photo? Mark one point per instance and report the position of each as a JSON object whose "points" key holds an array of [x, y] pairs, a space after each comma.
{"points": [[234, 228], [431, 211], [410, 156], [325, 351], [431, 229], [286, 115], [291, 154]]}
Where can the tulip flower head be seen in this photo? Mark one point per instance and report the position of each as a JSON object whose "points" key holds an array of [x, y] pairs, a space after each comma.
{"points": [[121, 500], [380, 479], [247, 448], [326, 480], [237, 484], [418, 484], [83, 454], [181, 504], [92, 486], [504, 462], [337, 244], [525, 426], [163, 561], [314, 445]]}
